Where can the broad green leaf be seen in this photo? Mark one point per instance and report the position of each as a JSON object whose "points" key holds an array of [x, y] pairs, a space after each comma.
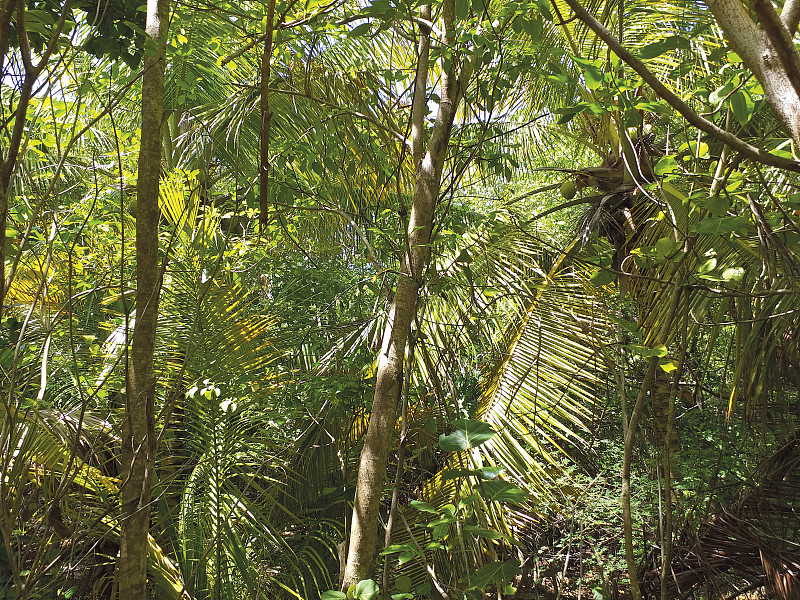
{"points": [[742, 106], [366, 589], [710, 225], [333, 595], [496, 572], [717, 95], [482, 532], [653, 106], [403, 583], [395, 548], [483, 473], [698, 149], [489, 472], [592, 73], [567, 114], [423, 506], [407, 557], [467, 501], [717, 206], [602, 277], [629, 326], [469, 434], [660, 47], [544, 9], [359, 30], [502, 491], [666, 247], [599, 594], [423, 589], [707, 266], [666, 165], [534, 28], [456, 473]]}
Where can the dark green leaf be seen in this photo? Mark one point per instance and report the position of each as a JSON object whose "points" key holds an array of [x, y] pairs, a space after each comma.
{"points": [[502, 491], [403, 583], [359, 30], [395, 548], [482, 532], [495, 572], [742, 106], [544, 9], [660, 47], [469, 434], [534, 28], [602, 277], [567, 114], [653, 106], [711, 225], [717, 206]]}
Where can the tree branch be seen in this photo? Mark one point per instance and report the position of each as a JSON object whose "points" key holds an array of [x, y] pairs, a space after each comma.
{"points": [[748, 150], [791, 16], [420, 89], [263, 37], [760, 55], [781, 40]]}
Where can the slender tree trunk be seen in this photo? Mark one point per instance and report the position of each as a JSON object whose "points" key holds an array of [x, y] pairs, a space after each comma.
{"points": [[138, 427], [375, 454], [401, 457]]}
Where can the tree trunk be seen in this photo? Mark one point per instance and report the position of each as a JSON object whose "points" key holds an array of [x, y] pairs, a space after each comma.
{"points": [[375, 454], [768, 51], [138, 435]]}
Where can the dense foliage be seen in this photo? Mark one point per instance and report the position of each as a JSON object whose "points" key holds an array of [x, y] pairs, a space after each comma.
{"points": [[598, 389]]}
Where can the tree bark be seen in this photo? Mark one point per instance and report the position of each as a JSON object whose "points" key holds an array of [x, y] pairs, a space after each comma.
{"points": [[663, 92], [403, 308], [138, 427], [768, 51]]}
